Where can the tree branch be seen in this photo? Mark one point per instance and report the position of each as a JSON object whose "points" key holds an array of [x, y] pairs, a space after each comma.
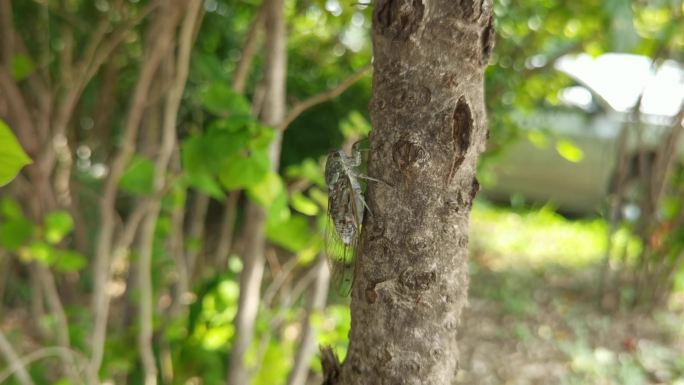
{"points": [[24, 124], [300, 107], [307, 345], [35, 356], [249, 51], [172, 106], [100, 300], [6, 31], [62, 332], [255, 237], [15, 364]]}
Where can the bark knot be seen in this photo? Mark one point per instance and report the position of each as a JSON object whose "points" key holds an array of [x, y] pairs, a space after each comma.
{"points": [[407, 153], [398, 19], [417, 280], [371, 294]]}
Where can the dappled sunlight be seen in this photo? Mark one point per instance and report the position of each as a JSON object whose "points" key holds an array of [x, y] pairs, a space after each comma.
{"points": [[503, 238], [538, 321]]}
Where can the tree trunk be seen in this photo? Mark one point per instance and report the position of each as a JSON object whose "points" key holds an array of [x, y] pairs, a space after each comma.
{"points": [[429, 127], [255, 231]]}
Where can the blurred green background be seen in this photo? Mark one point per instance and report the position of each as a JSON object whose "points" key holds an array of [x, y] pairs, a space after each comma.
{"points": [[558, 295]]}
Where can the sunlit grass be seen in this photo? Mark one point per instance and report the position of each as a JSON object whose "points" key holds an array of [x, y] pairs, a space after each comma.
{"points": [[532, 238]]}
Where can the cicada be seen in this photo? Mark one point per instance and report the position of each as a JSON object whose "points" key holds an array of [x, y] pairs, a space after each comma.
{"points": [[346, 207]]}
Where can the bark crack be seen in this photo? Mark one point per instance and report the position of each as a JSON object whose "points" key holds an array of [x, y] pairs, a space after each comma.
{"points": [[487, 41], [461, 132]]}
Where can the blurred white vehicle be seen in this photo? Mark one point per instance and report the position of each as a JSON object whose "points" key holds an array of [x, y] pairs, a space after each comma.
{"points": [[569, 153]]}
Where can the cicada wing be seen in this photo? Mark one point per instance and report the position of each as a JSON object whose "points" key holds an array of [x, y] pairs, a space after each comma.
{"points": [[344, 224], [341, 258]]}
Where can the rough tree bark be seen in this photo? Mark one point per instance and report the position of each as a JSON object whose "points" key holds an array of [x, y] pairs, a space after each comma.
{"points": [[429, 127]]}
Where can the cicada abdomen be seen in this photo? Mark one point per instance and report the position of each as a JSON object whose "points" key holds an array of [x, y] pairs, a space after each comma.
{"points": [[345, 218]]}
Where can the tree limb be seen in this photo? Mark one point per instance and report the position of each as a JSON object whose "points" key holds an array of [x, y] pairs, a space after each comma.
{"points": [[24, 124], [248, 51], [6, 31], [307, 345], [15, 364], [100, 299], [255, 236], [330, 94], [169, 139], [35, 356], [47, 279]]}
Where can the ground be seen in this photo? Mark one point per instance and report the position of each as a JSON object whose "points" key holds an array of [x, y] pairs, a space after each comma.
{"points": [[534, 317]]}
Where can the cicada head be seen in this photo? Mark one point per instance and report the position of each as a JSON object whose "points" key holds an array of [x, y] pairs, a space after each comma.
{"points": [[334, 168]]}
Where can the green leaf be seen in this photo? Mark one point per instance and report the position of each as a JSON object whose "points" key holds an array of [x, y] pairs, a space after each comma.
{"points": [[58, 224], [208, 67], [279, 210], [304, 205], [245, 170], [275, 365], [15, 232], [243, 124], [10, 208], [21, 66], [267, 190], [234, 264], [69, 260], [228, 291], [138, 177], [569, 151], [205, 183], [319, 196], [223, 101], [308, 170], [41, 252], [310, 252], [12, 156], [292, 234], [263, 136], [538, 138], [208, 152]]}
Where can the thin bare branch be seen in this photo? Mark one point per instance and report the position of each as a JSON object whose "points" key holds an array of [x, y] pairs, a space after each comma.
{"points": [[277, 319], [330, 94], [196, 229], [255, 237], [169, 140], [100, 299], [24, 124], [37, 355], [6, 31], [225, 242], [95, 54], [15, 364], [307, 345], [249, 50], [47, 279]]}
